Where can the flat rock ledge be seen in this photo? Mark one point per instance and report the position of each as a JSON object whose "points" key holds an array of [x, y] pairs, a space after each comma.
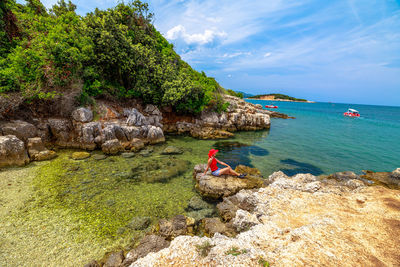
{"points": [[214, 187], [302, 220]]}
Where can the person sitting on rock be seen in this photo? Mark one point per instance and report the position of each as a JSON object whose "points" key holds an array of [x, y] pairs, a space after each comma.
{"points": [[212, 164]]}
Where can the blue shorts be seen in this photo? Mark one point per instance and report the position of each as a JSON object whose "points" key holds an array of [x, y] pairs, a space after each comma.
{"points": [[216, 172]]}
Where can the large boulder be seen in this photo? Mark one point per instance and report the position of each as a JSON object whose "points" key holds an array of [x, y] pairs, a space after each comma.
{"points": [[396, 173], [37, 151], [12, 151], [61, 131], [82, 115], [112, 147], [225, 185], [90, 131], [135, 118], [155, 135], [21, 129]]}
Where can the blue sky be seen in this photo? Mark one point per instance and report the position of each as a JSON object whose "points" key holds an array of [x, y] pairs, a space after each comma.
{"points": [[338, 50]]}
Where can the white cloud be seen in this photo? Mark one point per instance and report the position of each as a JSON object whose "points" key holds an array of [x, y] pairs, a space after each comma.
{"points": [[267, 54], [227, 55], [208, 36]]}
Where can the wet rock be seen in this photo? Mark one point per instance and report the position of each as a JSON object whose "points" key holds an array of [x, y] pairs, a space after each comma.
{"points": [[201, 214], [99, 156], [112, 147], [80, 155], [37, 150], [82, 115], [222, 186], [171, 150], [149, 243], [354, 183], [21, 129], [146, 152], [197, 203], [139, 223], [12, 151], [169, 229], [128, 155], [155, 135], [114, 259], [226, 209], [90, 131], [136, 144], [214, 225], [344, 176], [209, 133], [389, 179]]}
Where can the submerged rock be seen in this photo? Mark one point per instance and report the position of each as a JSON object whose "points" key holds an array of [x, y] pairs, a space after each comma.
{"points": [[99, 156], [80, 155], [197, 203], [222, 186], [139, 223], [12, 151], [37, 150], [201, 214], [114, 259], [136, 144], [171, 150], [390, 179], [128, 155]]}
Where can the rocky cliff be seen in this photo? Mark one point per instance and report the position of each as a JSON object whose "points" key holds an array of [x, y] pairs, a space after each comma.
{"points": [[302, 220], [115, 128]]}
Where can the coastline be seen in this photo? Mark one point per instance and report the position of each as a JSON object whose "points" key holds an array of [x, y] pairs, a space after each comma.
{"points": [[282, 100]]}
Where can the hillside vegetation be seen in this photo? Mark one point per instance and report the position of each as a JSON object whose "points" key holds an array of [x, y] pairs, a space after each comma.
{"points": [[280, 96], [115, 53]]}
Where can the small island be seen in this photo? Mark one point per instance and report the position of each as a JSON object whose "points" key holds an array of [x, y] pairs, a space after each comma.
{"points": [[279, 97]]}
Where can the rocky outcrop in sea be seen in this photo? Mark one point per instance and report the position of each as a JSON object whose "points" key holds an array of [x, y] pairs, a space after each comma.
{"points": [[118, 128]]}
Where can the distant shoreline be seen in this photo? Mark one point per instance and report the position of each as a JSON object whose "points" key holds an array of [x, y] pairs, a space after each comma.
{"points": [[282, 100]]}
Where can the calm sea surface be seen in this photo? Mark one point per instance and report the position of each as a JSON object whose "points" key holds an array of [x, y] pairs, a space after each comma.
{"points": [[320, 140]]}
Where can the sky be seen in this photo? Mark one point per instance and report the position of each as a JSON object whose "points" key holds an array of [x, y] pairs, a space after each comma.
{"points": [[345, 51]]}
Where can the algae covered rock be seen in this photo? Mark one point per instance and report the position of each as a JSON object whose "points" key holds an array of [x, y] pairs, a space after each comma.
{"points": [[80, 155], [128, 155], [222, 186], [37, 151], [169, 229], [172, 150], [136, 144], [139, 223], [114, 259], [201, 214], [197, 203]]}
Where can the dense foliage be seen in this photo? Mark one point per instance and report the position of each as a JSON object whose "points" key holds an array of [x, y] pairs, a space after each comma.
{"points": [[233, 93], [113, 53], [281, 96]]}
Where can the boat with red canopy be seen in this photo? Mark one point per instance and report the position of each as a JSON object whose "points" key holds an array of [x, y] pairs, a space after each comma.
{"points": [[351, 113]]}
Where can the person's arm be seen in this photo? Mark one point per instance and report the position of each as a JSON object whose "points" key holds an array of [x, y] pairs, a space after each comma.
{"points": [[208, 166], [223, 163]]}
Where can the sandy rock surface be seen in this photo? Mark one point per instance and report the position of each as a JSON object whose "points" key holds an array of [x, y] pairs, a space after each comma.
{"points": [[300, 221]]}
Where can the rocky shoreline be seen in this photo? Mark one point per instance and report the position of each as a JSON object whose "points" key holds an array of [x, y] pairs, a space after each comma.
{"points": [[118, 128], [299, 220]]}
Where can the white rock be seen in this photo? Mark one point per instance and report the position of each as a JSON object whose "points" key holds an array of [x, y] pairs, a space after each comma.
{"points": [[82, 115]]}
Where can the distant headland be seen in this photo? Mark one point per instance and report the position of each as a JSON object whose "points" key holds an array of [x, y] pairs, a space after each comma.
{"points": [[279, 97]]}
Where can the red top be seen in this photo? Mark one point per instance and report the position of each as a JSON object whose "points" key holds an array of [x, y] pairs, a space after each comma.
{"points": [[213, 165]]}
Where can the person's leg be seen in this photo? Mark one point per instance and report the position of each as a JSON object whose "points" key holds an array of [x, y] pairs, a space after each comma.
{"points": [[229, 171]]}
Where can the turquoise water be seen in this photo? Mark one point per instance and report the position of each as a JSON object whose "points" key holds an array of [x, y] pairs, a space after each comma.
{"points": [[320, 140]]}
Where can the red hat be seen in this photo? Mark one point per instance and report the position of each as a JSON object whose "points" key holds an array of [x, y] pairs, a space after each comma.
{"points": [[212, 152]]}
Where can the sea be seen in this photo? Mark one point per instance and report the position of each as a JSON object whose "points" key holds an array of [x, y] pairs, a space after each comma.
{"points": [[320, 140]]}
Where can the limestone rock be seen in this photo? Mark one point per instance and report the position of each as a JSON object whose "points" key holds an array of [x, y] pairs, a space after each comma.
{"points": [[37, 150], [149, 243], [82, 115], [347, 175], [217, 187], [389, 179], [396, 173], [115, 259], [155, 135], [90, 131], [135, 118], [171, 150], [112, 147], [61, 130], [21, 129], [80, 155], [354, 183], [244, 220], [291, 227], [12, 151]]}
